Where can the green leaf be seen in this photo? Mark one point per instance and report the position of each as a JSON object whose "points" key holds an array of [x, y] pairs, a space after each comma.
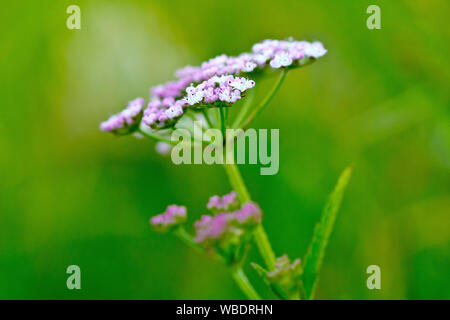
{"points": [[316, 251]]}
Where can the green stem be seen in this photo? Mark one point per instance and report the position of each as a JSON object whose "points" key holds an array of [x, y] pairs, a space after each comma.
{"points": [[259, 234], [156, 137], [266, 99], [237, 273], [245, 285], [263, 243], [208, 120], [195, 121], [194, 138], [222, 122], [237, 182], [181, 233], [244, 110]]}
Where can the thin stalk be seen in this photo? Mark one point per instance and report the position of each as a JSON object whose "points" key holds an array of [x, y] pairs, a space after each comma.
{"points": [[195, 120], [266, 99], [208, 120], [263, 243], [187, 238], [156, 137], [237, 273], [245, 285], [260, 235], [222, 122], [244, 110], [194, 138]]}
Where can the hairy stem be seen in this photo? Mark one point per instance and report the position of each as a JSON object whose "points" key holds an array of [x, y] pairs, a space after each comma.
{"points": [[259, 234], [245, 285]]}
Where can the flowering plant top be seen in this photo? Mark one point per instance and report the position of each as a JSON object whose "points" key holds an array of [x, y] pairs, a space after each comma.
{"points": [[200, 98], [218, 82]]}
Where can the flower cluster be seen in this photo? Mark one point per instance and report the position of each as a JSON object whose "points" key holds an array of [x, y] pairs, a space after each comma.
{"points": [[163, 113], [278, 53], [220, 65], [213, 229], [214, 83], [172, 217], [225, 203], [226, 89], [285, 53], [224, 233], [126, 119]]}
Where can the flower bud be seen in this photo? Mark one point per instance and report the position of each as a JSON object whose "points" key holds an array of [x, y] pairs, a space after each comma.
{"points": [[172, 217], [286, 274], [225, 203]]}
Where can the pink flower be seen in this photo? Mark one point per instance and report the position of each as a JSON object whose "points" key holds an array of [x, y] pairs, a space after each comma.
{"points": [[209, 227], [249, 213], [225, 203], [228, 223], [125, 119], [173, 216]]}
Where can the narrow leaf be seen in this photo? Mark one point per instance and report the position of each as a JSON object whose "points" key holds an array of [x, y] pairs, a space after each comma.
{"points": [[260, 271], [316, 251]]}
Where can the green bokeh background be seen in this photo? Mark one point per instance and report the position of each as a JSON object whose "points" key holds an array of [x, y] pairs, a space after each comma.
{"points": [[70, 194]]}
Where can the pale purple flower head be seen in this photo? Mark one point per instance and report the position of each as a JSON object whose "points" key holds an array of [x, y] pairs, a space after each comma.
{"points": [[217, 66], [315, 50], [173, 216], [250, 213], [228, 223], [124, 120], [160, 113], [228, 89], [224, 203], [278, 53], [211, 227], [215, 82], [284, 53]]}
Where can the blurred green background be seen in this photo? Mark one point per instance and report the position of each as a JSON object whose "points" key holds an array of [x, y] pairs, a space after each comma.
{"points": [[70, 194]]}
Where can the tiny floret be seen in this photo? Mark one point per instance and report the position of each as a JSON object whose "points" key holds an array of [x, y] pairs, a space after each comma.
{"points": [[225, 203], [172, 217], [126, 120], [249, 214], [209, 227]]}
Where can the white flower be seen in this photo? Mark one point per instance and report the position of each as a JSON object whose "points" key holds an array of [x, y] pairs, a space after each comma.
{"points": [[174, 111], [315, 50]]}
